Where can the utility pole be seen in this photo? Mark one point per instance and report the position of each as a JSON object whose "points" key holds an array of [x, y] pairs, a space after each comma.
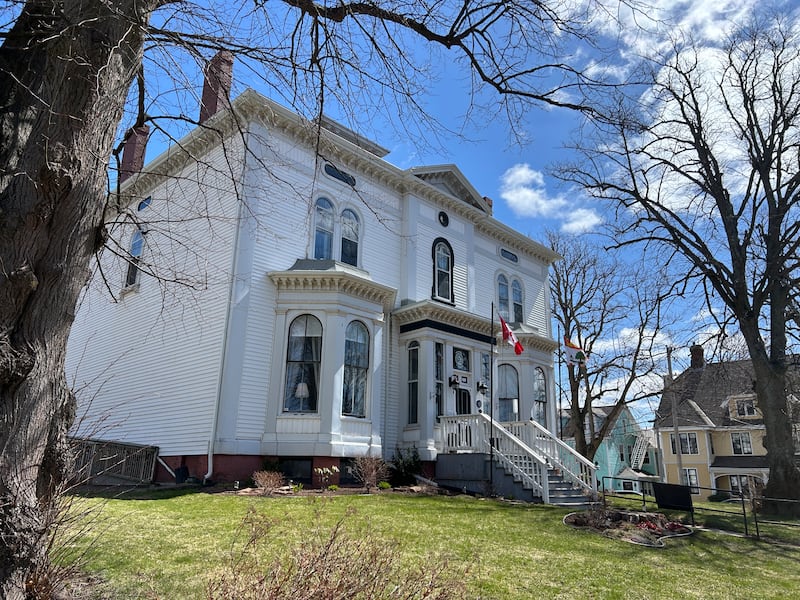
{"points": [[675, 429]]}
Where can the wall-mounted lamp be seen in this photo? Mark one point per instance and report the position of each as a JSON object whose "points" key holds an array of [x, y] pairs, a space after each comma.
{"points": [[453, 381], [482, 388]]}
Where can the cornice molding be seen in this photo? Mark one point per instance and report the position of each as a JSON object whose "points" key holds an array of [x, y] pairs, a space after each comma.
{"points": [[333, 281], [250, 106], [427, 309]]}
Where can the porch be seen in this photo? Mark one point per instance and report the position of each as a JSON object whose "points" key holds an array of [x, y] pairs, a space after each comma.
{"points": [[520, 459]]}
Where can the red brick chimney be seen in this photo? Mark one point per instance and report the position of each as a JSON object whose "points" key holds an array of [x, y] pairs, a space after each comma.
{"points": [[696, 351], [217, 84], [133, 151]]}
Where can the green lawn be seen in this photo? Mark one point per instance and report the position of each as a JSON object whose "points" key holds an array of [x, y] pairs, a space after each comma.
{"points": [[165, 547]]}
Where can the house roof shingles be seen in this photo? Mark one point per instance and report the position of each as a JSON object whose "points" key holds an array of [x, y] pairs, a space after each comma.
{"points": [[703, 392]]}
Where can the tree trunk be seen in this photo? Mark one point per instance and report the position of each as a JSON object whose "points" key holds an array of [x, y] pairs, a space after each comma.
{"points": [[65, 71], [771, 392]]}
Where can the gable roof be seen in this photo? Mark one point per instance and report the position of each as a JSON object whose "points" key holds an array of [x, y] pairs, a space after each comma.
{"points": [[703, 393]]}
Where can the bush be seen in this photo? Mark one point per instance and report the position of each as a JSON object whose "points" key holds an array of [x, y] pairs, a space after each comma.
{"points": [[384, 485], [268, 481], [369, 470], [719, 497], [405, 464], [334, 565]]}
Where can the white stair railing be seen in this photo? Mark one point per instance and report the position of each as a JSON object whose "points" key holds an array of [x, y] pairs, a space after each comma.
{"points": [[574, 467], [471, 433]]}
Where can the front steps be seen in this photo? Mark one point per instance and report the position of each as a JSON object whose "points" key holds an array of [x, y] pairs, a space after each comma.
{"points": [[473, 474], [562, 493]]}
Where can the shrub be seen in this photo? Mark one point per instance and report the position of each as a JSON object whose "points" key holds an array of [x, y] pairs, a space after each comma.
{"points": [[332, 564], [324, 475], [268, 481], [384, 485], [369, 470], [405, 464], [333, 487]]}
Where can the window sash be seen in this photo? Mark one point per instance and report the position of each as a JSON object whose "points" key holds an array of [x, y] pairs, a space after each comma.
{"points": [[413, 385], [740, 440], [688, 443]]}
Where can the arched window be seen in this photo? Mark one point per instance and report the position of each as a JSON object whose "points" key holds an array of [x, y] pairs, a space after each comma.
{"points": [[350, 228], [516, 301], [413, 383], [539, 410], [323, 239], [356, 366], [302, 365], [134, 258], [507, 394], [442, 270], [502, 296]]}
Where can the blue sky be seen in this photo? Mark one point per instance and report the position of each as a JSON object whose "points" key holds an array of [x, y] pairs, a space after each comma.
{"points": [[526, 195]]}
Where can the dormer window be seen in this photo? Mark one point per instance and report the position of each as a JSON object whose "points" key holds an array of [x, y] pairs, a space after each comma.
{"points": [[743, 407]]}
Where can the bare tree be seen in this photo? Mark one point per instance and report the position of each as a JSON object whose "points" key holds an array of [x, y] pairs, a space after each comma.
{"points": [[706, 162], [613, 310], [67, 71]]}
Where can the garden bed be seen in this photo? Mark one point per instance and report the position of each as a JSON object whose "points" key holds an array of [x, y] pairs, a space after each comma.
{"points": [[643, 528]]}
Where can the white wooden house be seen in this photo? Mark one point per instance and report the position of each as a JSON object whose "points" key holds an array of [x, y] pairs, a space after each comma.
{"points": [[314, 303]]}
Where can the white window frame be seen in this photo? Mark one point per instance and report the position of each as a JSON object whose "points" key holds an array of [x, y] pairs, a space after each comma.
{"points": [[691, 435], [357, 398], [338, 232], [691, 479], [745, 443]]}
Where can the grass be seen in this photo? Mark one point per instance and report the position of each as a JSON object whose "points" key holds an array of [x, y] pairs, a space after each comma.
{"points": [[166, 545]]}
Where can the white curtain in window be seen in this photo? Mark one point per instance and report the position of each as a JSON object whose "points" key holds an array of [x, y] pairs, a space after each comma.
{"points": [[302, 364]]}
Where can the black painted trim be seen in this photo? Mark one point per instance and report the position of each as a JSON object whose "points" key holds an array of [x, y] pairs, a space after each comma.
{"points": [[438, 326]]}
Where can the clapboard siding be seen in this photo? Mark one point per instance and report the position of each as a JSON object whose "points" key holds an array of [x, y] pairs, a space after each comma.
{"points": [[146, 367]]}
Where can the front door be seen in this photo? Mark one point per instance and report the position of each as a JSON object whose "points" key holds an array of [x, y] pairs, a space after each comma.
{"points": [[463, 406]]}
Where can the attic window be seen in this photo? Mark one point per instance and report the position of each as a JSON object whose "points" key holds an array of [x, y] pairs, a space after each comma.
{"points": [[744, 406], [340, 175], [508, 255], [144, 203]]}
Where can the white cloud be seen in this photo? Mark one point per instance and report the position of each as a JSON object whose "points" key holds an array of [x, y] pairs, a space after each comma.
{"points": [[525, 192]]}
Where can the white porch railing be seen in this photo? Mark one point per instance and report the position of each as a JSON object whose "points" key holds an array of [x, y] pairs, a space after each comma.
{"points": [[470, 433], [574, 467]]}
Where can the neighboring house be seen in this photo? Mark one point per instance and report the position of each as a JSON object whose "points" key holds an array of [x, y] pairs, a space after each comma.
{"points": [[627, 456], [334, 305], [720, 427]]}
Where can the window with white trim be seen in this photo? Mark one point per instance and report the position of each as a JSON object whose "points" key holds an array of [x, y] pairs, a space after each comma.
{"points": [[740, 441], [516, 301], [510, 299], [413, 383], [302, 365], [323, 237], [134, 258], [507, 394], [442, 270], [539, 410], [746, 407], [438, 376], [340, 235], [350, 233], [690, 479], [356, 368], [688, 443]]}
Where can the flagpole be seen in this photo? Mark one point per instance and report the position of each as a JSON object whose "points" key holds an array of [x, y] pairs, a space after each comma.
{"points": [[492, 341], [560, 388]]}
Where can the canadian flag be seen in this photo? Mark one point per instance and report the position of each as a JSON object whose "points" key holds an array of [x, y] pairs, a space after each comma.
{"points": [[509, 337]]}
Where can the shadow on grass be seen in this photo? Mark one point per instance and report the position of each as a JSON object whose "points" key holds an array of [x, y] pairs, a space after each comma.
{"points": [[118, 492]]}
